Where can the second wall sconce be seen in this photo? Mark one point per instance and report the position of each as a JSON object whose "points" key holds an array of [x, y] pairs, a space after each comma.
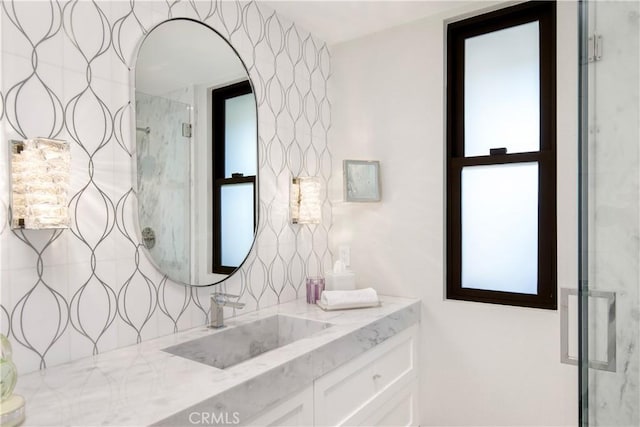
{"points": [[305, 203], [40, 170]]}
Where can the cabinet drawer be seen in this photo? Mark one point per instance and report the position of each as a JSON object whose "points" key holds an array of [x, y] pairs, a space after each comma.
{"points": [[345, 391]]}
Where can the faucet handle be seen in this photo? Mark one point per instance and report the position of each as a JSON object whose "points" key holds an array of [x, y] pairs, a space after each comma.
{"points": [[222, 300], [223, 296]]}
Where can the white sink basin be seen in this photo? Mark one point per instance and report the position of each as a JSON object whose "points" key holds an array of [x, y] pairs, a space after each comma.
{"points": [[243, 342]]}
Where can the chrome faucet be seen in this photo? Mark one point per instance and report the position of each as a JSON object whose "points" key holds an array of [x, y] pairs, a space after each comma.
{"points": [[218, 302]]}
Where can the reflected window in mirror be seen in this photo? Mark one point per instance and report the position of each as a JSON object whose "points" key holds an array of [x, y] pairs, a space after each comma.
{"points": [[234, 130]]}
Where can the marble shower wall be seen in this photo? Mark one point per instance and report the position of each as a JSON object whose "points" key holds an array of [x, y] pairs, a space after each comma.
{"points": [[65, 74], [614, 206]]}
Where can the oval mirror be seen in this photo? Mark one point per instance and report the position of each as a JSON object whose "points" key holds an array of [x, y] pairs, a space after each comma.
{"points": [[196, 153]]}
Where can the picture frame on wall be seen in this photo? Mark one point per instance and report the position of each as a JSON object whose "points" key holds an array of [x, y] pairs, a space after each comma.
{"points": [[361, 180]]}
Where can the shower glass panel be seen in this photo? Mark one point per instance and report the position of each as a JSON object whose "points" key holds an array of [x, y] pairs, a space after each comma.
{"points": [[164, 154], [609, 213]]}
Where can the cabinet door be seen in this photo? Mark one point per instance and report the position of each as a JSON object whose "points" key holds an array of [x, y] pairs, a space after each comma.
{"points": [[351, 393], [295, 411], [400, 410]]}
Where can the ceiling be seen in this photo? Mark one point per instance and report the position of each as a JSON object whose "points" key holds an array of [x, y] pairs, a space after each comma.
{"points": [[336, 21]]}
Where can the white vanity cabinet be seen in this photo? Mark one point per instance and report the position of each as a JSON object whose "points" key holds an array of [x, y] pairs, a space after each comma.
{"points": [[373, 388], [377, 388]]}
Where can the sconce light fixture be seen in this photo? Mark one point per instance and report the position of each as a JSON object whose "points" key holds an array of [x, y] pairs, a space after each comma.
{"points": [[306, 207], [39, 183]]}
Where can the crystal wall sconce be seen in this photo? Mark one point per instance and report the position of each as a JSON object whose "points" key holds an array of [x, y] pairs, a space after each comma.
{"points": [[39, 183], [305, 203]]}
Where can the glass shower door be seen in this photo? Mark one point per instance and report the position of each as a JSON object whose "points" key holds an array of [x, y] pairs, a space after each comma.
{"points": [[609, 291]]}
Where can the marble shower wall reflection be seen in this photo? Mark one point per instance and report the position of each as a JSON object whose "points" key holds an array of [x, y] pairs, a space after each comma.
{"points": [[163, 181], [65, 74]]}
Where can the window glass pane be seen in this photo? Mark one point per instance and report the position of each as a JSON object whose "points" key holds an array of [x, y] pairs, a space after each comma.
{"points": [[502, 91], [240, 136], [236, 211], [500, 227]]}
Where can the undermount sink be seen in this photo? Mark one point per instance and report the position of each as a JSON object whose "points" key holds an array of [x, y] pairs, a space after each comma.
{"points": [[237, 344]]}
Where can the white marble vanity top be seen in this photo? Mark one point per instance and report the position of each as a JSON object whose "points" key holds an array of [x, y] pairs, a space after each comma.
{"points": [[143, 385]]}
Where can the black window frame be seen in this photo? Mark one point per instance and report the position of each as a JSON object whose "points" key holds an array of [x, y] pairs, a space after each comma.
{"points": [[457, 33], [219, 97]]}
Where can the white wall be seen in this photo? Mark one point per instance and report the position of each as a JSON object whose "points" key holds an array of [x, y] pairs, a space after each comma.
{"points": [[481, 364]]}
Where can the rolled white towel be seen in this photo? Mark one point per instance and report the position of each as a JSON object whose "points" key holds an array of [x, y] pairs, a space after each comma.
{"points": [[336, 300]]}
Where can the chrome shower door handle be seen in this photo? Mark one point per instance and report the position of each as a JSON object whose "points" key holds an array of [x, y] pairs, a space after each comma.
{"points": [[610, 363]]}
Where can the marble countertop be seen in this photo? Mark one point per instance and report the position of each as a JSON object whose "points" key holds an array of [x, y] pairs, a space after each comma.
{"points": [[143, 385]]}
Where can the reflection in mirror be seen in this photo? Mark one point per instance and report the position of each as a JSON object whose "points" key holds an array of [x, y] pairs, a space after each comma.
{"points": [[196, 153], [234, 170]]}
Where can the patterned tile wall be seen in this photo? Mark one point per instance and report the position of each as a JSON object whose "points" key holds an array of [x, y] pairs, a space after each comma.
{"points": [[65, 74]]}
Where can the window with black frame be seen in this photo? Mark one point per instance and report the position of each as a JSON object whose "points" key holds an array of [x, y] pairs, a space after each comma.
{"points": [[234, 174], [501, 157]]}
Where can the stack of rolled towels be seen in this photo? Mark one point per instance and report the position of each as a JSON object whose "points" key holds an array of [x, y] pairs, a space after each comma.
{"points": [[357, 298]]}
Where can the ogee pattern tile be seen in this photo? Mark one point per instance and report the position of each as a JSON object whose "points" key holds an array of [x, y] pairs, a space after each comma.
{"points": [[65, 73]]}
